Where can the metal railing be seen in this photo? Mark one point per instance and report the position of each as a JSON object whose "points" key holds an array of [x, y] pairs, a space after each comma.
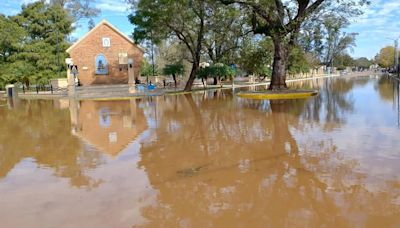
{"points": [[40, 89]]}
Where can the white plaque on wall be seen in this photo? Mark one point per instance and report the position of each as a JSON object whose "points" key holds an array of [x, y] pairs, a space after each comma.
{"points": [[106, 42], [123, 58]]}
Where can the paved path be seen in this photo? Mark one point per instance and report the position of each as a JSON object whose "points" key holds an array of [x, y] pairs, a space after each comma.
{"points": [[121, 91]]}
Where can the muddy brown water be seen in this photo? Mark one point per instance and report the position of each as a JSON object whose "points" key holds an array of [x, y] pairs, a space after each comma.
{"points": [[208, 159]]}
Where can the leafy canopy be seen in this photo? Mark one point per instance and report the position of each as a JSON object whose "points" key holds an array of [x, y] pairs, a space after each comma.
{"points": [[173, 69], [218, 70], [38, 45]]}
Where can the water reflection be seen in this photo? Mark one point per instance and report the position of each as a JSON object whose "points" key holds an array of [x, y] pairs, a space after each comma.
{"points": [[36, 130], [389, 91], [207, 159], [108, 125], [244, 166], [94, 145]]}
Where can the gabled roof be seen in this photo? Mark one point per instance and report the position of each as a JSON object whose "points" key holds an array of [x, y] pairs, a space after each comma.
{"points": [[104, 22]]}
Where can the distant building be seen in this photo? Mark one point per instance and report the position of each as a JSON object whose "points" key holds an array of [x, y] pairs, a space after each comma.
{"points": [[106, 56]]}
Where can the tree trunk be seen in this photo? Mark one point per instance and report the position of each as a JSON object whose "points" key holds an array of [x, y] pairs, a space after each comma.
{"points": [[189, 83], [215, 81], [202, 81], [174, 77], [278, 79]]}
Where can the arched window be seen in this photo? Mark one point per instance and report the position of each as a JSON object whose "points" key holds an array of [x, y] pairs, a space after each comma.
{"points": [[104, 117], [101, 64]]}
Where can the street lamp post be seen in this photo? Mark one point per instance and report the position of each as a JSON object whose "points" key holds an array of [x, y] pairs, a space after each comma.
{"points": [[396, 55]]}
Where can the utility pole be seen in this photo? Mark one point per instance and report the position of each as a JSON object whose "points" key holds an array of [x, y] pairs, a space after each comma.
{"points": [[396, 56], [152, 59], [58, 55]]}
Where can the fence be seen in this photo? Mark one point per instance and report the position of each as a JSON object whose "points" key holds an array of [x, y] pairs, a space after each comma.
{"points": [[36, 89]]}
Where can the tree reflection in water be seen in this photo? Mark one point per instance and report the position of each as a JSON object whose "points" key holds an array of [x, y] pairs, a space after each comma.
{"points": [[47, 140], [389, 91], [201, 160], [237, 163]]}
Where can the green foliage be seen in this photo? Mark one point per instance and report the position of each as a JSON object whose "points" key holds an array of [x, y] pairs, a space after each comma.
{"points": [[147, 69], [11, 38], [362, 63], [186, 20], [282, 20], [323, 37], [158, 20], [386, 57], [344, 60], [173, 69], [18, 71], [206, 27], [226, 31], [256, 57], [33, 44], [298, 62], [218, 70], [222, 71]]}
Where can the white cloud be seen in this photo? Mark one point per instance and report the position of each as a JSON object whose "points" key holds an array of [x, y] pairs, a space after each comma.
{"points": [[119, 6], [30, 1], [388, 8], [379, 22]]}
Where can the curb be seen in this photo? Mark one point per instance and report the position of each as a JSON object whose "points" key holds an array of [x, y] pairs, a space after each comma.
{"points": [[271, 95]]}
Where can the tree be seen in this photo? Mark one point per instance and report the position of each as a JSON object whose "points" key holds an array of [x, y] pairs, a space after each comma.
{"points": [[386, 57], [217, 71], [312, 36], [43, 48], [222, 71], [256, 57], [336, 43], [17, 71], [79, 9], [171, 51], [227, 30], [323, 37], [174, 70], [297, 62], [282, 21], [182, 19], [344, 60], [11, 38], [11, 42], [147, 68], [362, 63]]}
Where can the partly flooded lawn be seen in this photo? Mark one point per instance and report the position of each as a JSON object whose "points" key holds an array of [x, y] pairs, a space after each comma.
{"points": [[206, 160]]}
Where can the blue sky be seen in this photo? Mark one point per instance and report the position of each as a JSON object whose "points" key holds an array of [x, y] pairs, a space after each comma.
{"points": [[379, 23]]}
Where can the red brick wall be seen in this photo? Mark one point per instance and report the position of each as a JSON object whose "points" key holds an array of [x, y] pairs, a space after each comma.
{"points": [[85, 52]]}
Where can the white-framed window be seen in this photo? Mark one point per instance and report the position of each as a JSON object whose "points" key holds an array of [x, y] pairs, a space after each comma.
{"points": [[106, 42]]}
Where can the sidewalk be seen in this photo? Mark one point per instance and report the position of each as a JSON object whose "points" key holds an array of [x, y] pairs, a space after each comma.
{"points": [[122, 91]]}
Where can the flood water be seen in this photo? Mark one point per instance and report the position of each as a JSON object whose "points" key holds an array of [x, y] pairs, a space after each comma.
{"points": [[205, 160]]}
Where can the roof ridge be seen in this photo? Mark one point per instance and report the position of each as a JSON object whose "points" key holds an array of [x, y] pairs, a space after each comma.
{"points": [[103, 22]]}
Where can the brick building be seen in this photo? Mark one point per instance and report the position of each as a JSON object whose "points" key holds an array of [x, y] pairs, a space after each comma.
{"points": [[106, 56]]}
